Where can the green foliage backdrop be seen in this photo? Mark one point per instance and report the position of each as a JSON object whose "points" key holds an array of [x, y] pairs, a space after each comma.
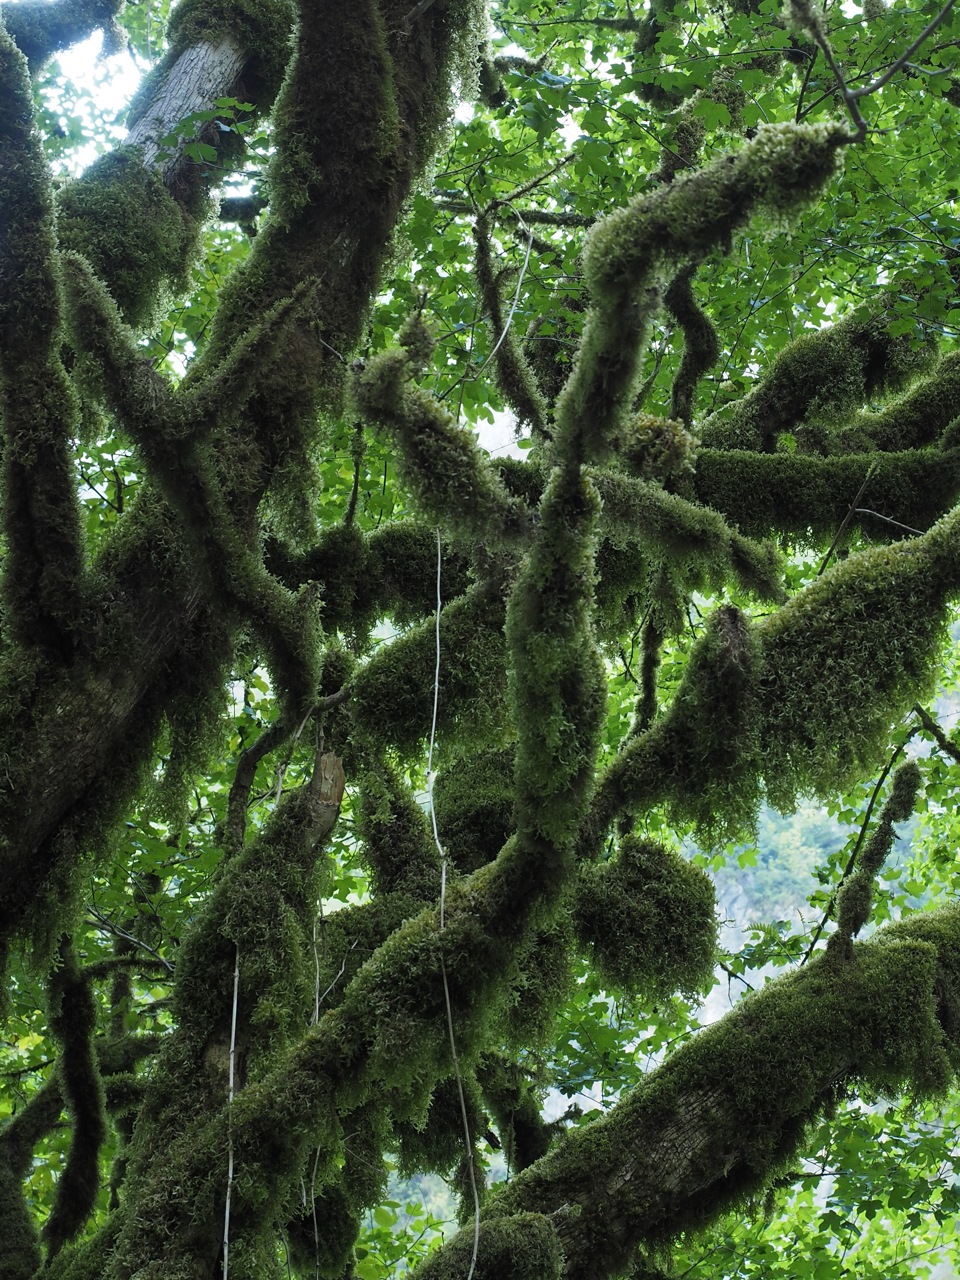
{"points": [[363, 792]]}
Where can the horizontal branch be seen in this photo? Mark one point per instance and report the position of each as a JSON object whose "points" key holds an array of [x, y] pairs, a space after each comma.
{"points": [[724, 1112]]}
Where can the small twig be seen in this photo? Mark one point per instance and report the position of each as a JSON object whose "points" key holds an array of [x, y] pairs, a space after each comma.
{"points": [[943, 742], [852, 860], [416, 12], [106, 923], [865, 511], [846, 519], [904, 57]]}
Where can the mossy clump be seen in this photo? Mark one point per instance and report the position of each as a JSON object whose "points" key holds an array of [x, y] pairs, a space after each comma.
{"points": [[846, 659], [648, 919], [523, 1247], [473, 799], [320, 1238], [819, 378], [95, 214], [392, 696], [656, 448]]}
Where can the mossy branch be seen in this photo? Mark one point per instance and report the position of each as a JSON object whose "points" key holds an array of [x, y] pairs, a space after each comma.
{"points": [[666, 525], [514, 375], [808, 497], [39, 410], [719, 1119], [855, 895], [804, 698], [821, 377], [438, 460], [701, 346], [73, 1017], [631, 256]]}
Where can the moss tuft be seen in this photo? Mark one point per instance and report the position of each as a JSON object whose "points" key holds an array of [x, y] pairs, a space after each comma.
{"points": [[648, 918]]}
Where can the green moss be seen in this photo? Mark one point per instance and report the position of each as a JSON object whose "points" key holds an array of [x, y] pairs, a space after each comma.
{"points": [[392, 699], [855, 897], [439, 461], [398, 846], [19, 1242], [94, 217], [321, 1237], [808, 497], [524, 1247], [912, 421], [701, 346], [435, 1143], [648, 918], [39, 31], [473, 799], [820, 378], [707, 553], [73, 1018]]}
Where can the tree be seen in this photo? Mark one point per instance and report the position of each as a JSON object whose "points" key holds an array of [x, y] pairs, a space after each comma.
{"points": [[708, 263]]}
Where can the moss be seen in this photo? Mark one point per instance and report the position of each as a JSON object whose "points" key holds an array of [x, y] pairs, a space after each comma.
{"points": [[392, 697], [473, 799], [808, 497], [261, 28], [73, 1018], [94, 217], [542, 982], [515, 1102], [648, 919], [820, 377], [397, 844], [19, 1242], [320, 1239], [630, 257], [439, 461], [556, 680], [363, 577], [701, 346], [914, 420], [525, 1247], [436, 1143], [39, 409]]}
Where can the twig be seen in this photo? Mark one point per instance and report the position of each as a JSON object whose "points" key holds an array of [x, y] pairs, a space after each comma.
{"points": [[846, 519], [852, 860], [931, 726], [865, 511]]}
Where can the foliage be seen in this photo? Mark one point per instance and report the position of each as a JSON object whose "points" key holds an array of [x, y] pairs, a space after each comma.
{"points": [[363, 793]]}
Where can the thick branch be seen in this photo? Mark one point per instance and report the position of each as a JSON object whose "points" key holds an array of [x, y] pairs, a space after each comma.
{"points": [[719, 1118]]}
